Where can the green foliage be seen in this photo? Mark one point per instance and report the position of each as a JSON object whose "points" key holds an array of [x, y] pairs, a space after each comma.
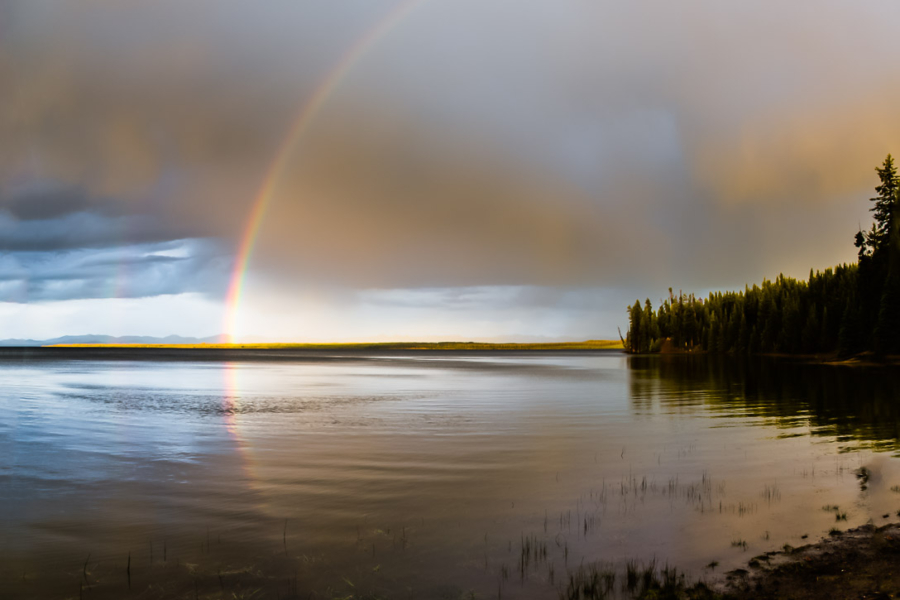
{"points": [[846, 309]]}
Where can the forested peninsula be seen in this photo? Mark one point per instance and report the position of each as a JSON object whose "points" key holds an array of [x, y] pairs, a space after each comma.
{"points": [[847, 310]]}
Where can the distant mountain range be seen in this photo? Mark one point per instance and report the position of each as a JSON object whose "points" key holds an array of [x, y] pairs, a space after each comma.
{"points": [[220, 339], [109, 339]]}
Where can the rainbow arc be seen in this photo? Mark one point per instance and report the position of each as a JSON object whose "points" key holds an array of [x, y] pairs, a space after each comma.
{"points": [[301, 122]]}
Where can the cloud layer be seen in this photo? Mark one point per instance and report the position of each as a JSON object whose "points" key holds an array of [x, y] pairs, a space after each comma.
{"points": [[558, 146]]}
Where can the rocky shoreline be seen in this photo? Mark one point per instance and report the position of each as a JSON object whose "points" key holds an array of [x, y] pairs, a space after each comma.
{"points": [[861, 563]]}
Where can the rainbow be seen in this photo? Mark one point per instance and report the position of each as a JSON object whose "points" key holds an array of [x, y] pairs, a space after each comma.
{"points": [[298, 127], [231, 400]]}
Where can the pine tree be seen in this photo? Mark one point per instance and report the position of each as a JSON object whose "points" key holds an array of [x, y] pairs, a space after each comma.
{"points": [[647, 321], [826, 338], [884, 204], [887, 332], [634, 330], [754, 346], [743, 333], [811, 331], [848, 336], [712, 344]]}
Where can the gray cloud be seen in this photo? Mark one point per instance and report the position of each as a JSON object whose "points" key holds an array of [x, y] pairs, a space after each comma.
{"points": [[47, 216], [76, 230], [132, 271], [559, 144], [42, 200], [60, 243]]}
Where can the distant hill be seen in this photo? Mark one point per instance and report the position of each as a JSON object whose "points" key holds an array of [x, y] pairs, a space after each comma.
{"points": [[109, 339], [454, 346], [177, 340]]}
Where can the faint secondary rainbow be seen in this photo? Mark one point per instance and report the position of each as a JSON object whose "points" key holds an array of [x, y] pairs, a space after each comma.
{"points": [[301, 122]]}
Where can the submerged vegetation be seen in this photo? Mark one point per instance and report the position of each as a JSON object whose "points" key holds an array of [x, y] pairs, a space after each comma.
{"points": [[847, 309]]}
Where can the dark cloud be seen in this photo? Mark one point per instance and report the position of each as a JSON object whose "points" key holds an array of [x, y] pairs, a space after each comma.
{"points": [[76, 230], [48, 217], [131, 271], [44, 201]]}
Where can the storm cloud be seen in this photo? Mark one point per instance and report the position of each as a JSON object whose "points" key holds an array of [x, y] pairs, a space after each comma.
{"points": [[58, 243], [132, 271], [555, 146]]}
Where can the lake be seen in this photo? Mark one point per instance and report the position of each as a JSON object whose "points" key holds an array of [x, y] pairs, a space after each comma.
{"points": [[258, 474]]}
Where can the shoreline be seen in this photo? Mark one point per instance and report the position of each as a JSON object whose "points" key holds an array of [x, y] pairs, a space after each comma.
{"points": [[857, 563]]}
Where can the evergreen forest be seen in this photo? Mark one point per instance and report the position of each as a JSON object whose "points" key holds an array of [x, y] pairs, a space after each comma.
{"points": [[848, 309]]}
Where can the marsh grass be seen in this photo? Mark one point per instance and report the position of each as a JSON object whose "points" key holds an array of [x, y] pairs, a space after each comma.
{"points": [[771, 493], [643, 581], [593, 582]]}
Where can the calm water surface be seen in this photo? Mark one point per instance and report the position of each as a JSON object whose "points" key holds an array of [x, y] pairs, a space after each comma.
{"points": [[420, 475]]}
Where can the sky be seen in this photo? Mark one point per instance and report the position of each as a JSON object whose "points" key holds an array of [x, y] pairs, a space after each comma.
{"points": [[428, 169]]}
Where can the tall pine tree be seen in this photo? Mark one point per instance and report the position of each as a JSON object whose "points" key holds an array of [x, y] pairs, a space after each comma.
{"points": [[884, 202], [887, 332]]}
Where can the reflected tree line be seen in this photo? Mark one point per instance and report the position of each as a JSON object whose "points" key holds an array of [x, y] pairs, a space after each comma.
{"points": [[847, 309], [848, 402]]}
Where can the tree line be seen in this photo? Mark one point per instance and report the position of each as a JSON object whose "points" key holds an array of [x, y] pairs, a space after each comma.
{"points": [[848, 309]]}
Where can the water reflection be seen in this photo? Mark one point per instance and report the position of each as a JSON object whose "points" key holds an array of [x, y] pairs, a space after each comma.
{"points": [[859, 406], [375, 474]]}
